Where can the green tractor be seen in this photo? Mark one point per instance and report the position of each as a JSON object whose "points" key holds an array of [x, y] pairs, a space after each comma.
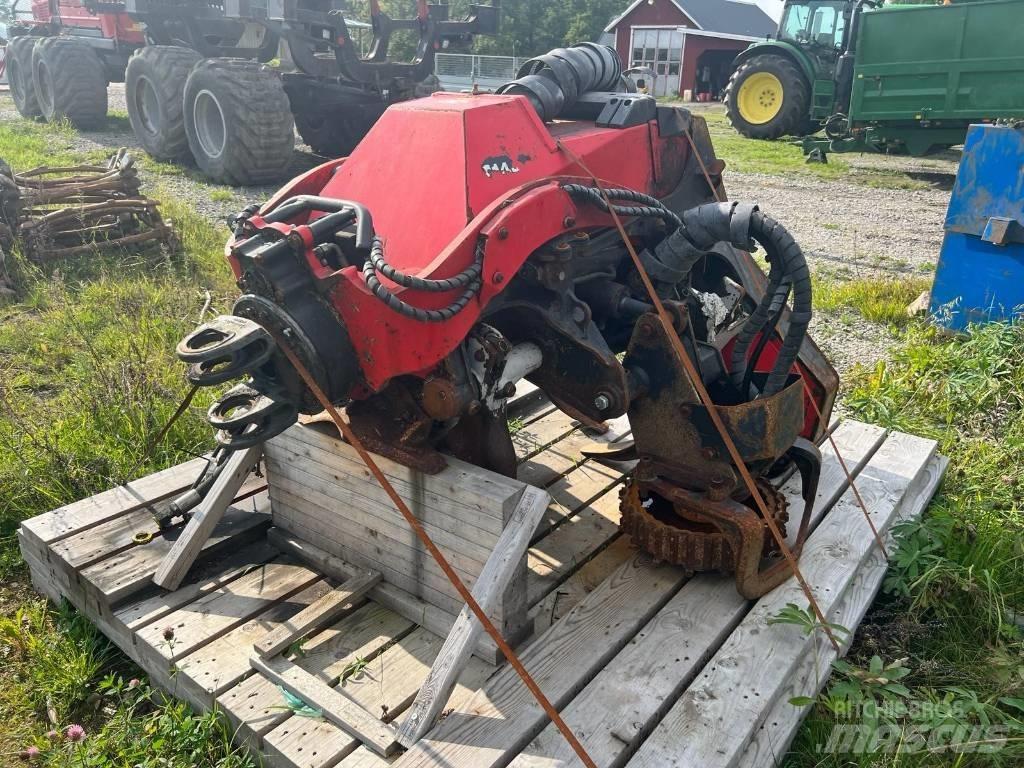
{"points": [[903, 78]]}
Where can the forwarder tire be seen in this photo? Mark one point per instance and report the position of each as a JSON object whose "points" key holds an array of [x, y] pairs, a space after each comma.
{"points": [[19, 75], [238, 122], [155, 92], [768, 97], [70, 82]]}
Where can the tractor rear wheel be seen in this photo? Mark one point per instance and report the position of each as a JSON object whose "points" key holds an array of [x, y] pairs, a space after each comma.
{"points": [[154, 89], [19, 75], [768, 97], [70, 82], [238, 122]]}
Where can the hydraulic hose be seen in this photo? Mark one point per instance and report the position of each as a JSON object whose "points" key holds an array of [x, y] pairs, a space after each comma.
{"points": [[646, 205], [468, 278], [553, 82], [461, 280], [743, 226], [778, 306]]}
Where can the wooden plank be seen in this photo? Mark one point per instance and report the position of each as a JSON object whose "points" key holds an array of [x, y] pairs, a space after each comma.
{"points": [[614, 713], [503, 716], [570, 546], [388, 684], [428, 616], [538, 435], [204, 519], [100, 541], [205, 578], [363, 759], [781, 723], [561, 457], [220, 611], [426, 586], [488, 591], [128, 573], [336, 707], [302, 495], [94, 510], [345, 484], [717, 716], [255, 706], [323, 612], [385, 686], [471, 494], [221, 663], [573, 492]]}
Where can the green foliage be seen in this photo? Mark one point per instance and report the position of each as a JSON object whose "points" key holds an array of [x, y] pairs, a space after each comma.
{"points": [[954, 592], [878, 300], [806, 619], [527, 28]]}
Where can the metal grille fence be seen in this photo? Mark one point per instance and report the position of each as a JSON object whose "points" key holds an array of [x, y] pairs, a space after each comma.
{"points": [[461, 71]]}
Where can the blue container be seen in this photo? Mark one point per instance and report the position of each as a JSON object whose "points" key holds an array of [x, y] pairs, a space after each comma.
{"points": [[980, 277]]}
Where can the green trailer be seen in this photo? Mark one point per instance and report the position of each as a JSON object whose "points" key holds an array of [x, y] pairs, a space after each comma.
{"points": [[897, 78]]}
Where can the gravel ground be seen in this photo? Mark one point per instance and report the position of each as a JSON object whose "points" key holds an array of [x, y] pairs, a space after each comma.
{"points": [[851, 231], [848, 229]]}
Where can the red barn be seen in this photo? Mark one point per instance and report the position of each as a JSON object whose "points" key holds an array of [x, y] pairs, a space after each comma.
{"points": [[688, 44]]}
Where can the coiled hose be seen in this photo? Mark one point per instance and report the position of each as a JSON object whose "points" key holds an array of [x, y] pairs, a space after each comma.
{"points": [[741, 225], [469, 278], [553, 82], [785, 256], [647, 206]]}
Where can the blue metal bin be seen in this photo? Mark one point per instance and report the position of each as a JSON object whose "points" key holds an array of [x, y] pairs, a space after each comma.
{"points": [[980, 276]]}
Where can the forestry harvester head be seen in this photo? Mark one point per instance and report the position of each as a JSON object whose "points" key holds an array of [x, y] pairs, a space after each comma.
{"points": [[467, 244]]}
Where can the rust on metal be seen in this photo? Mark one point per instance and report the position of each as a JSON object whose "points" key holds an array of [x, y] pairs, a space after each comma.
{"points": [[56, 212]]}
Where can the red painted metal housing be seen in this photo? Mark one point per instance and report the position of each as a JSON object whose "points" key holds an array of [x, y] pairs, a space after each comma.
{"points": [[439, 173]]}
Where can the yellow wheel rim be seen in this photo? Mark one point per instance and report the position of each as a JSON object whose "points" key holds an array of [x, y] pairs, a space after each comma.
{"points": [[760, 98]]}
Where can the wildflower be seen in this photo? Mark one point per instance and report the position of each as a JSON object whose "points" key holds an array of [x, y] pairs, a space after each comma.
{"points": [[134, 683], [52, 735], [168, 633], [29, 754], [75, 733]]}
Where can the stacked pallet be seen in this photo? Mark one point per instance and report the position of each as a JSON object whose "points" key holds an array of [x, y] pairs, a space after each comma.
{"points": [[649, 667]]}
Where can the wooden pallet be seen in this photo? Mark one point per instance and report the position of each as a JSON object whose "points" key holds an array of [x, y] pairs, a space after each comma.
{"points": [[649, 667]]}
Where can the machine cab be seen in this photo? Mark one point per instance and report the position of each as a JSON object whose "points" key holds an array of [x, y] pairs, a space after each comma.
{"points": [[819, 25]]}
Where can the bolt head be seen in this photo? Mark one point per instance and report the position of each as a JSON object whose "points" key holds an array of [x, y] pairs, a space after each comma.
{"points": [[602, 402], [503, 233], [498, 278]]}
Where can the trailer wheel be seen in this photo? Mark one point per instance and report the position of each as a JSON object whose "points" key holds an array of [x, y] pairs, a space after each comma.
{"points": [[238, 122], [154, 89], [767, 97], [19, 75], [70, 81]]}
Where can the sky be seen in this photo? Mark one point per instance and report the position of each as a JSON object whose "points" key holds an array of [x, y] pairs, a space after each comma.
{"points": [[772, 7]]}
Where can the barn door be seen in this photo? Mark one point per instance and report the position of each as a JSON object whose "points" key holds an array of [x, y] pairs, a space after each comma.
{"points": [[661, 50]]}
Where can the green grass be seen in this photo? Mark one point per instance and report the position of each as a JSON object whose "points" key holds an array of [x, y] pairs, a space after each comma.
{"points": [[953, 600], [87, 378], [26, 144], [222, 195], [785, 157], [778, 157], [877, 300]]}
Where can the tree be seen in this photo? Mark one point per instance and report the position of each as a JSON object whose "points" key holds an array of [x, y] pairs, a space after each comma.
{"points": [[527, 27]]}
